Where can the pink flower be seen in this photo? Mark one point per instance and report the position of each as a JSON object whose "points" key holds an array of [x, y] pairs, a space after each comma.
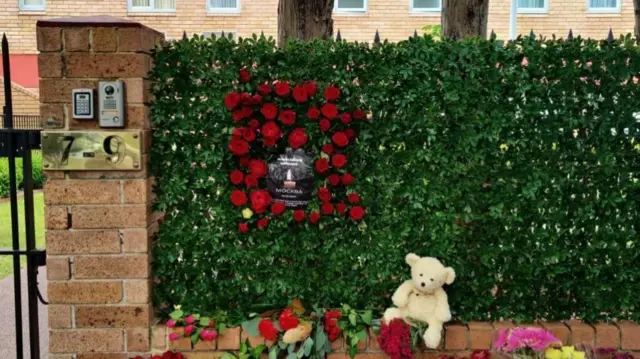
{"points": [[189, 319], [536, 339], [525, 62], [208, 335], [174, 336], [171, 323], [635, 80], [189, 329]]}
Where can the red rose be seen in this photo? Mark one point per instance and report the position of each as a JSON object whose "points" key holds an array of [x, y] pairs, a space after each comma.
{"points": [[339, 160], [299, 217], [244, 161], [327, 148], [232, 100], [245, 76], [480, 354], [322, 165], [237, 132], [264, 89], [238, 198], [324, 194], [353, 197], [325, 125], [340, 139], [269, 142], [345, 117], [351, 134], [335, 314], [356, 213], [327, 209], [271, 130], [249, 135], [329, 111], [314, 217], [300, 94], [242, 113], [263, 223], [282, 88], [277, 208], [258, 168], [297, 138], [341, 208], [347, 179], [254, 124], [236, 177], [255, 100], [334, 179], [269, 111], [359, 114], [251, 181], [287, 320], [268, 330], [245, 98], [288, 117], [260, 199], [311, 88], [313, 113], [238, 147], [331, 93]]}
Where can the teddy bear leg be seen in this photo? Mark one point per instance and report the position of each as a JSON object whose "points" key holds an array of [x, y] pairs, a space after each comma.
{"points": [[433, 334], [392, 313]]}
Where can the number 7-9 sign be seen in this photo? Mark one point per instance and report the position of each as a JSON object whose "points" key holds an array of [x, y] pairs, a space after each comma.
{"points": [[91, 150]]}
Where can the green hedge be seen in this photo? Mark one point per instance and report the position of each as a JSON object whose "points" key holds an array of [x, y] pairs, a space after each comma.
{"points": [[521, 174], [38, 175]]}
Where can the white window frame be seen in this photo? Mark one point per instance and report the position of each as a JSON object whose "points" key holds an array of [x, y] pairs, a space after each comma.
{"points": [[424, 10], [224, 10], [604, 10], [25, 7], [534, 10], [365, 4], [132, 8]]}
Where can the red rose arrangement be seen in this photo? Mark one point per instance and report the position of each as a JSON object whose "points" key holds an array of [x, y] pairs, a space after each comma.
{"points": [[280, 114], [331, 324], [395, 339], [286, 321]]}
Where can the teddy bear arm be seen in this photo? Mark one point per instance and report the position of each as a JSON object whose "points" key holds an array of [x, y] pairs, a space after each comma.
{"points": [[401, 296], [442, 311]]}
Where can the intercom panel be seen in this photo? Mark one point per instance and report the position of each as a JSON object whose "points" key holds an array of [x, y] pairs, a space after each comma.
{"points": [[111, 101], [82, 104]]}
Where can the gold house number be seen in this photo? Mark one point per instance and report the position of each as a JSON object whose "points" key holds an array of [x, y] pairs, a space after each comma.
{"points": [[91, 150]]}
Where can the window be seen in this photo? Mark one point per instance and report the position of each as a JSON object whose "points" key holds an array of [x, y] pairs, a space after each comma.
{"points": [[228, 34], [603, 5], [32, 5], [224, 5], [152, 5], [426, 5], [532, 6], [351, 5]]}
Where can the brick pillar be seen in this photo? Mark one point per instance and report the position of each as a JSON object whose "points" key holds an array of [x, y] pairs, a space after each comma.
{"points": [[98, 224]]}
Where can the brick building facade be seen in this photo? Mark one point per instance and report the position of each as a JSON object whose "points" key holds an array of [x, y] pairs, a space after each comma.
{"points": [[356, 19]]}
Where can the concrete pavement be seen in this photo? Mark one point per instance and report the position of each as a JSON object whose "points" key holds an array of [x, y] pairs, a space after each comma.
{"points": [[7, 317]]}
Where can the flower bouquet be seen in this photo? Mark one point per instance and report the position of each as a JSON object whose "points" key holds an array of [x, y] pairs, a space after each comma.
{"points": [[526, 343]]}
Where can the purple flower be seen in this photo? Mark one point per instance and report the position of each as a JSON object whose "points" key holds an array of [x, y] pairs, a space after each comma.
{"points": [[501, 340], [522, 338]]}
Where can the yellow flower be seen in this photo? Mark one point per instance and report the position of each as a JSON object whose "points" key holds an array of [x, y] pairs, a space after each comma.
{"points": [[567, 352], [553, 353], [504, 147], [247, 213], [578, 355]]}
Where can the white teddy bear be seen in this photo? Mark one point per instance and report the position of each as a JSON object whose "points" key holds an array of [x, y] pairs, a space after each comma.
{"points": [[422, 297]]}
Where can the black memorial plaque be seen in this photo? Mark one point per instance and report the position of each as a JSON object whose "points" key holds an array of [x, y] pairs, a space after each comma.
{"points": [[290, 178]]}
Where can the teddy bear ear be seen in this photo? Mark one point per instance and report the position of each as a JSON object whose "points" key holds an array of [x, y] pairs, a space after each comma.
{"points": [[451, 275], [411, 258]]}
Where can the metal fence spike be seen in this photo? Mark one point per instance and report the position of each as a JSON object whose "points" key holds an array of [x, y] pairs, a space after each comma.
{"points": [[376, 39], [339, 36], [415, 34], [493, 35], [610, 36], [184, 35], [532, 35], [570, 36]]}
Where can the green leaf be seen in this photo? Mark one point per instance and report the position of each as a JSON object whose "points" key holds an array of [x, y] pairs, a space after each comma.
{"points": [[176, 314], [244, 347], [362, 335], [300, 353], [291, 348], [353, 318], [251, 326], [292, 356], [367, 317], [205, 321], [353, 351], [321, 336], [228, 355], [308, 346], [222, 328], [282, 344], [258, 350], [273, 353]]}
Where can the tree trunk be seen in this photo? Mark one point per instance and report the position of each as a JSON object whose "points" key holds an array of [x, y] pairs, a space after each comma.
{"points": [[464, 18], [636, 6], [304, 20]]}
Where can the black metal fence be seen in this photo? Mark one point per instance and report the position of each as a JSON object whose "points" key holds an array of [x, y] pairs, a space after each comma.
{"points": [[25, 122]]}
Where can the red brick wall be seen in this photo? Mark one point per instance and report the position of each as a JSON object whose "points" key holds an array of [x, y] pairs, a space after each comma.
{"points": [[458, 339]]}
